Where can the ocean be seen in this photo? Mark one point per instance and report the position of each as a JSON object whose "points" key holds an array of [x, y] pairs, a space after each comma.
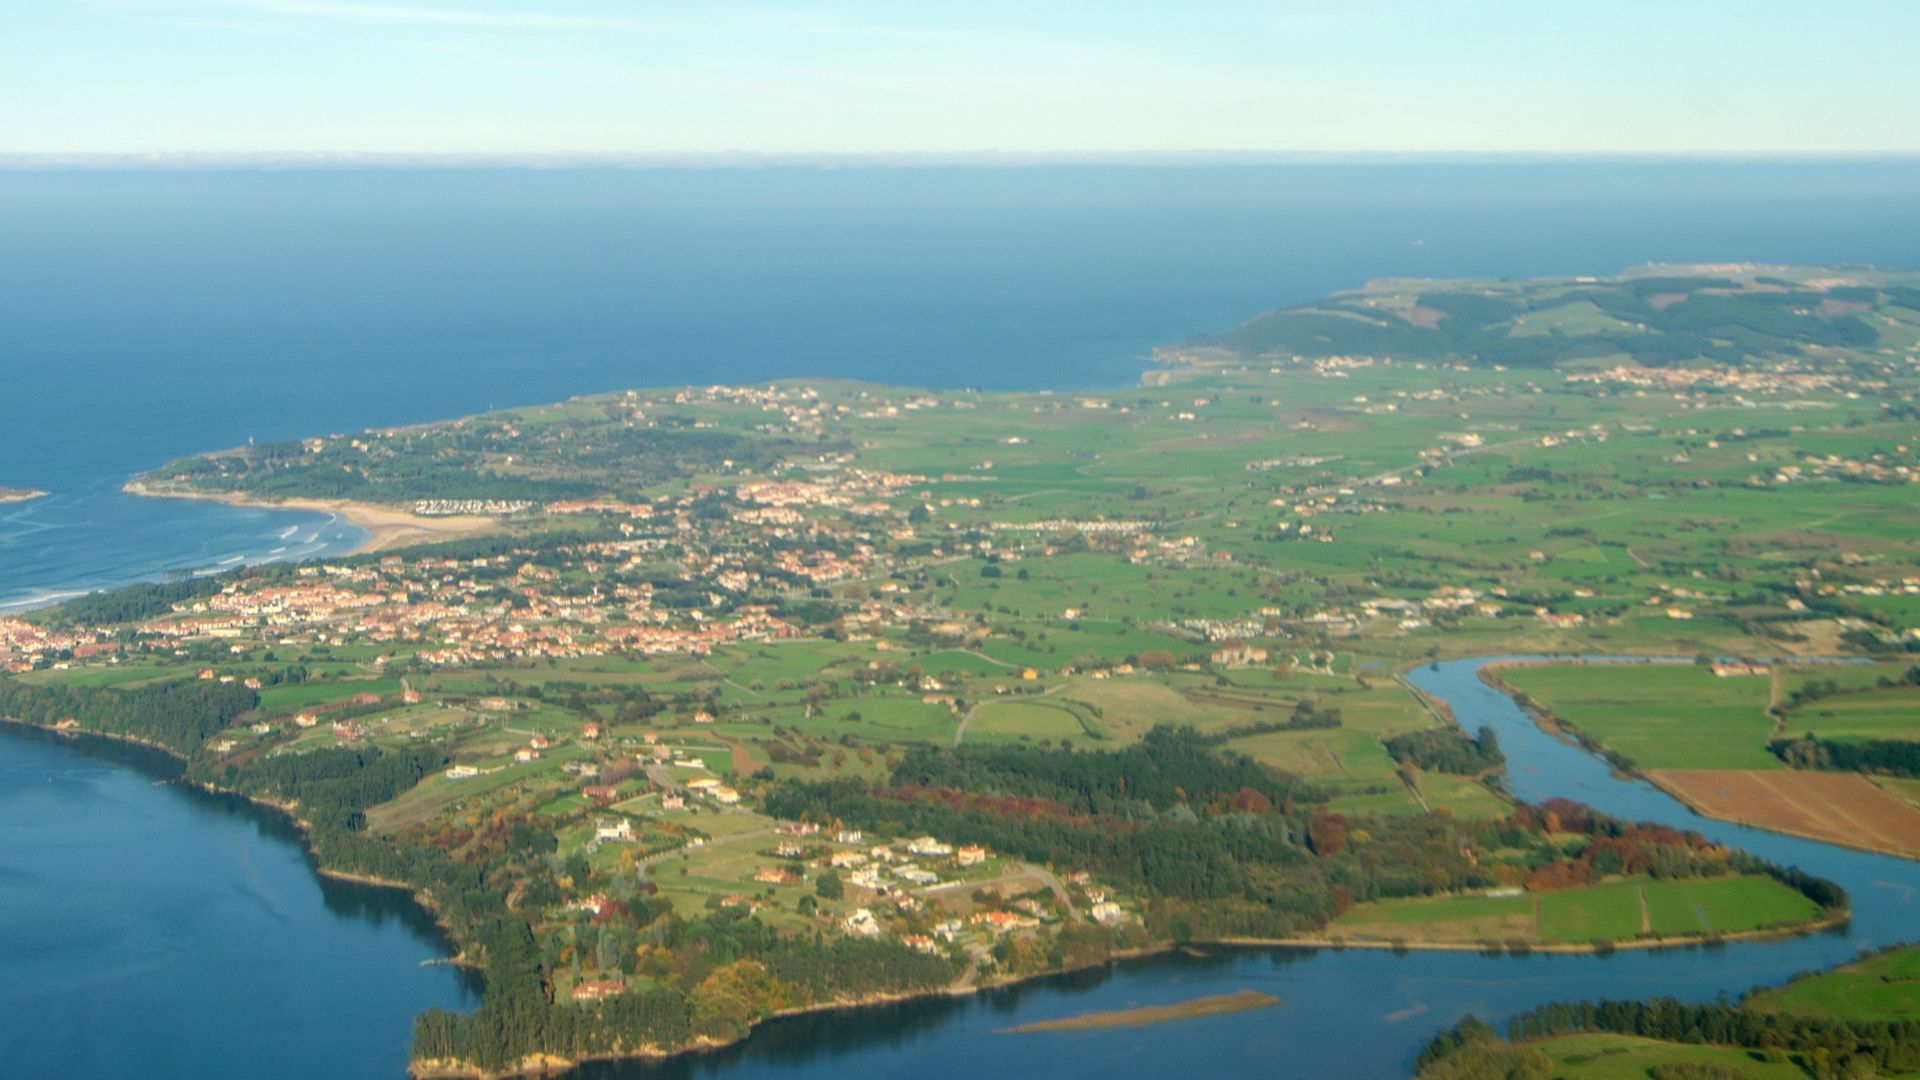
{"points": [[150, 314], [147, 314]]}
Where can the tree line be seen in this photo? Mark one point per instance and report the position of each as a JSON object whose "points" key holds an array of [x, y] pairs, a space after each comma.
{"points": [[1829, 1049]]}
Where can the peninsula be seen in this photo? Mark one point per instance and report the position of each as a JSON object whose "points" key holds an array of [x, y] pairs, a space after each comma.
{"points": [[721, 703], [386, 526]]}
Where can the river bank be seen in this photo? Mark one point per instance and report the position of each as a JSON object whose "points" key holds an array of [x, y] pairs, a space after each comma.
{"points": [[129, 895], [1331, 965], [386, 526], [286, 812], [547, 1064], [1560, 727]]}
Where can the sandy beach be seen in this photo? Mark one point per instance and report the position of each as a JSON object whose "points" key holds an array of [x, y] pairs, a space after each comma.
{"points": [[387, 527]]}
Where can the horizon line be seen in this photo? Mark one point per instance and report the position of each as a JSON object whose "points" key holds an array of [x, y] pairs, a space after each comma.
{"points": [[21, 161]]}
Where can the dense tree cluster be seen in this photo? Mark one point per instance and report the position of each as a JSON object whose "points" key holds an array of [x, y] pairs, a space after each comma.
{"points": [[335, 786], [1448, 750], [180, 715], [1168, 767], [728, 971], [132, 603], [1472, 1050], [1888, 757]]}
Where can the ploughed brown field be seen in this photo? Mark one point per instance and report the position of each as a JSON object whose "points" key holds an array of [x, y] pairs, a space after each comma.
{"points": [[1842, 808]]}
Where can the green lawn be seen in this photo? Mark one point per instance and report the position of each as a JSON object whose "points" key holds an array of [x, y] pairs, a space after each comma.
{"points": [[1015, 719], [1625, 1057], [1883, 987], [1432, 911], [1728, 905], [302, 695], [1879, 713], [1661, 717], [1610, 911]]}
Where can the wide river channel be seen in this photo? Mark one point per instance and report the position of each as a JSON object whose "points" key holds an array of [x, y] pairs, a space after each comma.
{"points": [[152, 931]]}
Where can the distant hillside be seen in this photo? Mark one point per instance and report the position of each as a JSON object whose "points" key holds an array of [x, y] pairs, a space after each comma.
{"points": [[1658, 316]]}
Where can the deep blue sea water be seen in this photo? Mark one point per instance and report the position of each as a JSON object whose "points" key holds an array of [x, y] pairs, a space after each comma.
{"points": [[144, 315]]}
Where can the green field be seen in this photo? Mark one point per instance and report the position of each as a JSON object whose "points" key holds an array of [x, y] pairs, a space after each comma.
{"points": [[1624, 1057], [1883, 987], [1659, 716], [320, 692], [1610, 911], [1024, 720], [1879, 713]]}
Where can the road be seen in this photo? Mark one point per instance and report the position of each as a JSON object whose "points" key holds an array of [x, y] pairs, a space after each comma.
{"points": [[1020, 871], [960, 730]]}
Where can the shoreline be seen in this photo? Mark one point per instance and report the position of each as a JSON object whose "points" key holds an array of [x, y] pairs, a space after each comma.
{"points": [[386, 526], [547, 1064], [551, 1065], [420, 897], [1677, 796], [1554, 724]]}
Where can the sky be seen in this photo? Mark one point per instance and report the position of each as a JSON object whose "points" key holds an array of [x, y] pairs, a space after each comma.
{"points": [[667, 77]]}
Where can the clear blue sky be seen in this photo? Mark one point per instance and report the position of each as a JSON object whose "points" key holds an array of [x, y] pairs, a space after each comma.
{"points": [[644, 76]]}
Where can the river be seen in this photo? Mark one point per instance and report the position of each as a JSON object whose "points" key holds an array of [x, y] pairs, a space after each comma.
{"points": [[1347, 1013], [152, 929]]}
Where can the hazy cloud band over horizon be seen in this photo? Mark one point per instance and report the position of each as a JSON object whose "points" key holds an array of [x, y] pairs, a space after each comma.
{"points": [[861, 77]]}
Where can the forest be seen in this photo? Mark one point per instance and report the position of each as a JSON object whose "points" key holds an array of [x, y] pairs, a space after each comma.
{"points": [[1888, 757], [1449, 750], [1827, 1049], [180, 715]]}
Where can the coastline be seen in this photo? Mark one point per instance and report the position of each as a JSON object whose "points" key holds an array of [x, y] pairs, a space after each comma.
{"points": [[386, 526], [285, 810], [549, 1064]]}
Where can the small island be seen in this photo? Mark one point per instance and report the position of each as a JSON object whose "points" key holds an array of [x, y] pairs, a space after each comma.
{"points": [[16, 495], [1147, 1015]]}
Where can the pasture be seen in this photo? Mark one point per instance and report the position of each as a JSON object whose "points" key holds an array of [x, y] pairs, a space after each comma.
{"points": [[1659, 716], [1882, 987], [1599, 1056], [1612, 911]]}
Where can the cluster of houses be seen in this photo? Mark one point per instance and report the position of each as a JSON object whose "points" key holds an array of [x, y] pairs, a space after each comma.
{"points": [[1747, 379], [712, 787], [23, 645]]}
